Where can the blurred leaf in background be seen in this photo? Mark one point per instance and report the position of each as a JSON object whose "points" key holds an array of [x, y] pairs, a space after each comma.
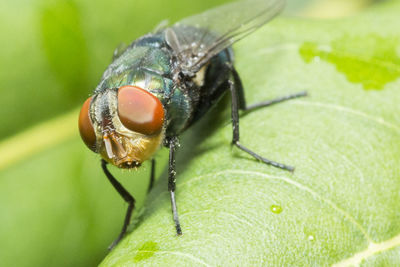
{"points": [[53, 55], [332, 8], [56, 207]]}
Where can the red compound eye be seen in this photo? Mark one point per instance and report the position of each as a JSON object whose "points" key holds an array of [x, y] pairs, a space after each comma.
{"points": [[139, 110], [85, 126]]}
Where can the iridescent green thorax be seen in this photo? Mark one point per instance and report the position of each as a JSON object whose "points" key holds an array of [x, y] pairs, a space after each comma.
{"points": [[149, 63]]}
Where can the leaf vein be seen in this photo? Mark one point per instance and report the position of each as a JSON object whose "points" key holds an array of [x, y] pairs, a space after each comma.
{"points": [[372, 249], [289, 181], [377, 120], [245, 221]]}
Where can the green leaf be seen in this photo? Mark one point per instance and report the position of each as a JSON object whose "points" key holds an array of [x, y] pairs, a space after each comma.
{"points": [[56, 206], [378, 60], [340, 206]]}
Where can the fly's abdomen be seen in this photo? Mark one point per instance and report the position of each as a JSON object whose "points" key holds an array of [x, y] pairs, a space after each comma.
{"points": [[215, 78]]}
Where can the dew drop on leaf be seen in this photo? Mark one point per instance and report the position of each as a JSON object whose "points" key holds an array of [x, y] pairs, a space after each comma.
{"points": [[276, 209]]}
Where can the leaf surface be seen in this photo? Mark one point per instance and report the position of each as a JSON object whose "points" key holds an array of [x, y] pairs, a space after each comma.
{"points": [[341, 202]]}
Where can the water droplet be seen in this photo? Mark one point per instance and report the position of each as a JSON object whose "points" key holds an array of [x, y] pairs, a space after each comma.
{"points": [[276, 209]]}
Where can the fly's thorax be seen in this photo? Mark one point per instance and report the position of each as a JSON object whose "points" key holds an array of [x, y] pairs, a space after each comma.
{"points": [[116, 143], [148, 64], [145, 65]]}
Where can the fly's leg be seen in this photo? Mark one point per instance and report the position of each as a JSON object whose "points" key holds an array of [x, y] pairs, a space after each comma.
{"points": [[273, 101], [173, 143], [126, 196], [248, 108], [235, 126], [152, 175], [238, 102]]}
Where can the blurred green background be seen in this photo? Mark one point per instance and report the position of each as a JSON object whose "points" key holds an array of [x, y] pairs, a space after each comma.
{"points": [[56, 207]]}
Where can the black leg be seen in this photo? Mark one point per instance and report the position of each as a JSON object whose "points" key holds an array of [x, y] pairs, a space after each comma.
{"points": [[152, 175], [235, 126], [173, 143], [274, 101], [239, 89], [247, 108], [126, 196]]}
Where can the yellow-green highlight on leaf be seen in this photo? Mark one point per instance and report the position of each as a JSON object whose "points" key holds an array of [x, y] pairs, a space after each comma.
{"points": [[146, 251], [38, 138], [335, 9], [370, 60]]}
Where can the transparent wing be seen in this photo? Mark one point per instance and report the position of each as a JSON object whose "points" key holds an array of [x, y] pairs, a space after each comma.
{"points": [[198, 38]]}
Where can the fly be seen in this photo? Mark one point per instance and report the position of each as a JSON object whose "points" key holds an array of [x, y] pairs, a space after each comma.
{"points": [[164, 82]]}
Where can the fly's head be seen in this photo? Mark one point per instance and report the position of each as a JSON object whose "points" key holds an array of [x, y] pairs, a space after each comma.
{"points": [[125, 125]]}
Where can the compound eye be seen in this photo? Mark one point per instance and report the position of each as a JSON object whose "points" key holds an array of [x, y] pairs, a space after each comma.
{"points": [[85, 126], [139, 110]]}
